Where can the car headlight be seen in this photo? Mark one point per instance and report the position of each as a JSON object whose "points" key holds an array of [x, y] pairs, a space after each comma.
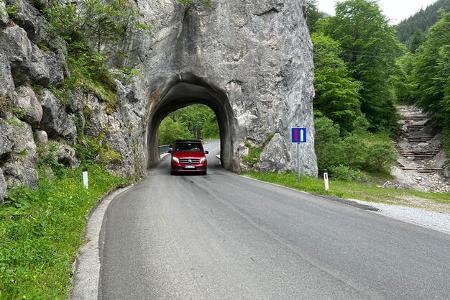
{"points": [[202, 160], [175, 159]]}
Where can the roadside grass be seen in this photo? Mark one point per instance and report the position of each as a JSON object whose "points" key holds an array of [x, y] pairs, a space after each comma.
{"points": [[41, 231], [348, 190]]}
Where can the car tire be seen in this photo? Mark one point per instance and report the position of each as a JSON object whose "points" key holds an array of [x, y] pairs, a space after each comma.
{"points": [[172, 172]]}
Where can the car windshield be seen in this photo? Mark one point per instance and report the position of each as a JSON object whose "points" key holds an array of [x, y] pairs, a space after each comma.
{"points": [[188, 147]]}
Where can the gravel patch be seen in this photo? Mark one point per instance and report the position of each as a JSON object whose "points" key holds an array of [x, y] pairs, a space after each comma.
{"points": [[428, 219]]}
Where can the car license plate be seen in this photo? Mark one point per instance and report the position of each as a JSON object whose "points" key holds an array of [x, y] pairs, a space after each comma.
{"points": [[189, 167]]}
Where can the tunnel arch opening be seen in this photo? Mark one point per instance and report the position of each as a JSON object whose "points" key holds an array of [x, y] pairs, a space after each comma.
{"points": [[187, 89]]}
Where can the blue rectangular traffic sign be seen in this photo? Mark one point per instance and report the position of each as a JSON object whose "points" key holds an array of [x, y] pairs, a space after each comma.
{"points": [[298, 135]]}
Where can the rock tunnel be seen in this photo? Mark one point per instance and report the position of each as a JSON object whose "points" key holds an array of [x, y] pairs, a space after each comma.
{"points": [[186, 89]]}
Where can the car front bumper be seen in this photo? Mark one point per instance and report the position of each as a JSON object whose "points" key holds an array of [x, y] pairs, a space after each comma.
{"points": [[178, 167]]}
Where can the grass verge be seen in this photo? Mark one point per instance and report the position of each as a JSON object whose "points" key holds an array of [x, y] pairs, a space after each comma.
{"points": [[42, 230], [348, 190]]}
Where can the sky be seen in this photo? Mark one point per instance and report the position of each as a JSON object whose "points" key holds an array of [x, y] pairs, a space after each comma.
{"points": [[395, 10]]}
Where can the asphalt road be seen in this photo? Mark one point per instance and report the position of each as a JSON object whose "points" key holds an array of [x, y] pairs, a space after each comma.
{"points": [[223, 236]]}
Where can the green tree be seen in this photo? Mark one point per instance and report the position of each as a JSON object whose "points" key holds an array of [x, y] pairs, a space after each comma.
{"points": [[199, 119], [327, 135], [195, 121], [416, 40], [412, 31], [312, 14], [432, 71], [336, 91], [403, 80], [170, 131], [94, 21], [370, 49]]}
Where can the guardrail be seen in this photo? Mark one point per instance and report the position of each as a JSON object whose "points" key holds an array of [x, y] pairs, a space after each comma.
{"points": [[163, 149]]}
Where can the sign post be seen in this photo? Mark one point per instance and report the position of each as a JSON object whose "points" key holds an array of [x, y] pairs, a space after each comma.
{"points": [[298, 136]]}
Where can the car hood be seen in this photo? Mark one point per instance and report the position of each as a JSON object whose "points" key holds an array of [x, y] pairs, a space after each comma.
{"points": [[189, 154]]}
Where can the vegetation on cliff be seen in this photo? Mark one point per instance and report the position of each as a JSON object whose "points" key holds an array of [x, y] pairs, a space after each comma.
{"points": [[93, 30]]}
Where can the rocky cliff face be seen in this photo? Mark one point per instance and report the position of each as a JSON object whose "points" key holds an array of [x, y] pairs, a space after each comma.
{"points": [[251, 61]]}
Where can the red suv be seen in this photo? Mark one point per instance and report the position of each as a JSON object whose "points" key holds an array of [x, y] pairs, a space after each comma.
{"points": [[188, 156]]}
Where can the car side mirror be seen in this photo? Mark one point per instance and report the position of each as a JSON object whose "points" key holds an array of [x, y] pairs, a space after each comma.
{"points": [[170, 150], [206, 152]]}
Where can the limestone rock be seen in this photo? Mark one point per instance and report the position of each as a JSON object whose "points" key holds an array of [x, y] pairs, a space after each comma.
{"points": [[57, 67], [116, 128], [30, 19], [21, 135], [66, 156], [21, 171], [41, 138], [15, 43], [4, 19], [30, 109], [6, 80], [258, 65], [6, 143], [39, 70], [20, 167], [3, 187], [55, 119], [275, 155]]}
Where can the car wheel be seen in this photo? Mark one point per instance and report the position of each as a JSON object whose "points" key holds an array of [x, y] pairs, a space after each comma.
{"points": [[172, 172]]}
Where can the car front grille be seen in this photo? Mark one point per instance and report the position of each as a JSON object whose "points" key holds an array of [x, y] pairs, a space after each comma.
{"points": [[189, 160]]}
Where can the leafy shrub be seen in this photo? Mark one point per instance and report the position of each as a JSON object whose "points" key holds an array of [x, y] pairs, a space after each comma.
{"points": [[48, 158], [88, 148], [327, 135], [347, 174], [380, 155], [110, 156], [357, 151]]}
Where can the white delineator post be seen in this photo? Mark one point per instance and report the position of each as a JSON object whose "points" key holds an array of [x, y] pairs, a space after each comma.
{"points": [[325, 180], [85, 180]]}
